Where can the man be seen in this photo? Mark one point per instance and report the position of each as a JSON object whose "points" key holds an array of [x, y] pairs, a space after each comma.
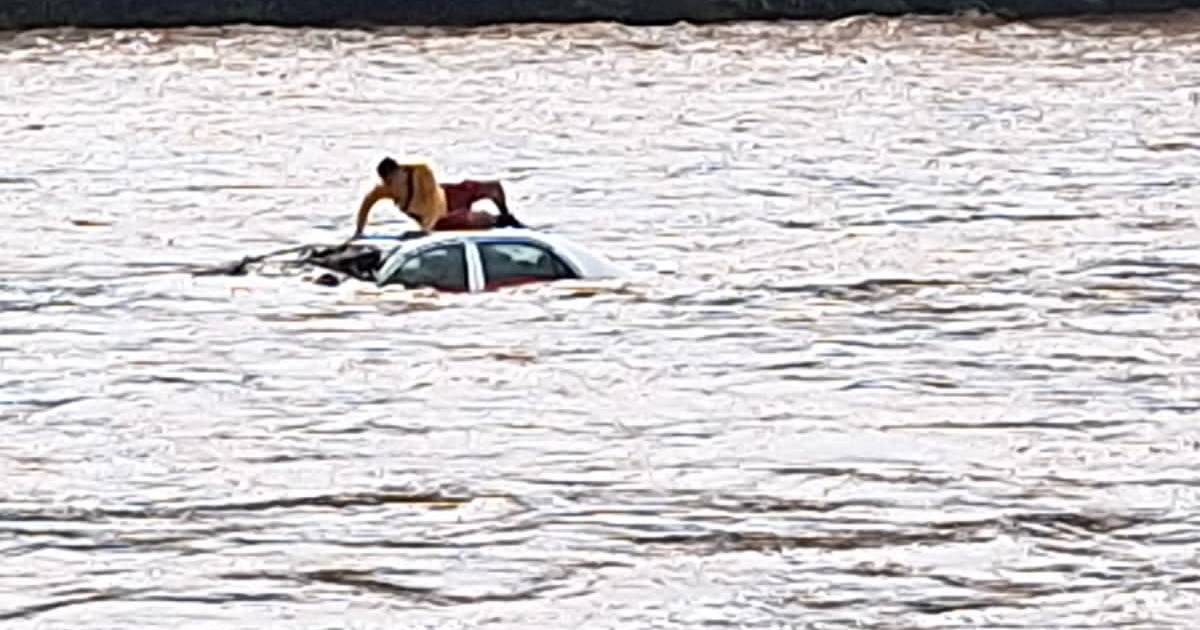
{"points": [[448, 208]]}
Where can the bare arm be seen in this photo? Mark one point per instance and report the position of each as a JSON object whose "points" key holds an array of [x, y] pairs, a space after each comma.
{"points": [[364, 210]]}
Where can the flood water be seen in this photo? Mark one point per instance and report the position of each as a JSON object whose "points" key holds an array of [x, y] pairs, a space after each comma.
{"points": [[910, 340]]}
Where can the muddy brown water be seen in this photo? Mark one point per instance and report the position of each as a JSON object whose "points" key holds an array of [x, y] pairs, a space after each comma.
{"points": [[910, 342]]}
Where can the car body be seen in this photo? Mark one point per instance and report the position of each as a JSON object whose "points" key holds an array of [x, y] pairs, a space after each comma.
{"points": [[486, 260]]}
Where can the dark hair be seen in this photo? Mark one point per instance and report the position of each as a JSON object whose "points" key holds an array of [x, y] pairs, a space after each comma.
{"points": [[386, 167]]}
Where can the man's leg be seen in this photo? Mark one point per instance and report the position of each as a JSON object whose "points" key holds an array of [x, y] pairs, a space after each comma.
{"points": [[466, 220]]}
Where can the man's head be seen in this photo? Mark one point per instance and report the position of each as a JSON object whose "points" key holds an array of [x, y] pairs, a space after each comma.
{"points": [[387, 167]]}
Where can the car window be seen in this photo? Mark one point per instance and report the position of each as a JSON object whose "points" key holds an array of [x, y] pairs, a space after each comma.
{"points": [[444, 268], [505, 263]]}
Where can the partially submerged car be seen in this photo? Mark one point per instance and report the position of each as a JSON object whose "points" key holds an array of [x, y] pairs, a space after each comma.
{"points": [[454, 261], [485, 260]]}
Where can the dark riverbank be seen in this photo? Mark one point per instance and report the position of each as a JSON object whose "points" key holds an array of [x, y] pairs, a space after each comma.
{"points": [[24, 14]]}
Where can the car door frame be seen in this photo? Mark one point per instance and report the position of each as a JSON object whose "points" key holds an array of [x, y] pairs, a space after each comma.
{"points": [[475, 279]]}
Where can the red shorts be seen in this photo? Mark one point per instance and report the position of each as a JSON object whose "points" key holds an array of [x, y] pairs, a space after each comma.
{"points": [[460, 196]]}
